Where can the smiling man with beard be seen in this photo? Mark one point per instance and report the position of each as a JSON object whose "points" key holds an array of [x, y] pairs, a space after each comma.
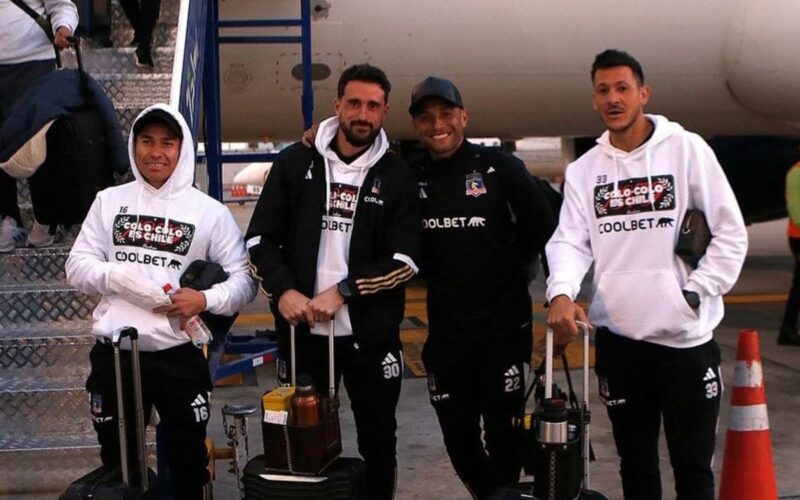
{"points": [[654, 315], [336, 235]]}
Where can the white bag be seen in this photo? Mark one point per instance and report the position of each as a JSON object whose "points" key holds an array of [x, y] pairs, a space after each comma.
{"points": [[30, 156]]}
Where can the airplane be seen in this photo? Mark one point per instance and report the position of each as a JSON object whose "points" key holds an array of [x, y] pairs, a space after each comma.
{"points": [[726, 69]]}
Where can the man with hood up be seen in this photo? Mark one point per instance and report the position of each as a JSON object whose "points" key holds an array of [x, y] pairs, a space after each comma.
{"points": [[137, 238], [336, 236], [654, 315]]}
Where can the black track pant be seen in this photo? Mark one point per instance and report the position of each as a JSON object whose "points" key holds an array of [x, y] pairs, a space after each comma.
{"points": [[372, 376], [793, 303], [143, 15], [641, 383], [176, 381], [468, 381], [15, 79]]}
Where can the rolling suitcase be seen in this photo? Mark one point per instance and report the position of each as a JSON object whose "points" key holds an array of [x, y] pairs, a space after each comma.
{"points": [[559, 441], [111, 482], [304, 462], [305, 450], [78, 163], [344, 479]]}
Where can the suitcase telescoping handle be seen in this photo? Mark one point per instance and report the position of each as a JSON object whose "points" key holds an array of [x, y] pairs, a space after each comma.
{"points": [[116, 338], [331, 372], [548, 389], [292, 357]]}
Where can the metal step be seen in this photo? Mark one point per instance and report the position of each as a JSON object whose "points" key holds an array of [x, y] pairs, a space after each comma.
{"points": [[22, 305], [101, 61], [46, 357], [44, 406], [135, 90], [127, 115], [41, 464], [46, 437], [33, 266], [164, 35]]}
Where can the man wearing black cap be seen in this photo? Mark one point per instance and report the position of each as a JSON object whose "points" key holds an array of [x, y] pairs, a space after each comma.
{"points": [[137, 238], [484, 221]]}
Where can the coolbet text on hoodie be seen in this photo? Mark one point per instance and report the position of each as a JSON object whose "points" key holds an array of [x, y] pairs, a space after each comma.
{"points": [[150, 235], [623, 212]]}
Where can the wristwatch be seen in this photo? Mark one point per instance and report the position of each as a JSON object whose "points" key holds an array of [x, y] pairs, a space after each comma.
{"points": [[344, 290], [691, 298]]}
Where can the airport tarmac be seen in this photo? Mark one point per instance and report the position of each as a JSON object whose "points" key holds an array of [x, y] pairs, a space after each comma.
{"points": [[424, 470]]}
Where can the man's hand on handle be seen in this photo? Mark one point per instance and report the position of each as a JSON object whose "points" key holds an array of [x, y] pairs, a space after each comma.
{"points": [[62, 36], [561, 318], [292, 306], [324, 306]]}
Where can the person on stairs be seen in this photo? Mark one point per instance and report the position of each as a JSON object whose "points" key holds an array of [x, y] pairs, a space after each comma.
{"points": [[26, 55], [143, 15]]}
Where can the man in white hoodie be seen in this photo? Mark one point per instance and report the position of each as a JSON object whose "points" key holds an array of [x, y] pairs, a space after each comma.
{"points": [[336, 235], [137, 238], [654, 315]]}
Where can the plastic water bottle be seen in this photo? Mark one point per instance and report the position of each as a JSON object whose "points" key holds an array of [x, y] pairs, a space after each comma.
{"points": [[195, 327]]}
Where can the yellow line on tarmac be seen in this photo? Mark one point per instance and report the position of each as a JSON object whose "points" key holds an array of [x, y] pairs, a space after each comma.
{"points": [[756, 298], [254, 319], [413, 307]]}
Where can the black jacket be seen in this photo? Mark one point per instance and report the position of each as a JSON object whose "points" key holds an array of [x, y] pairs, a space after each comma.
{"points": [[288, 220], [53, 96], [484, 222]]}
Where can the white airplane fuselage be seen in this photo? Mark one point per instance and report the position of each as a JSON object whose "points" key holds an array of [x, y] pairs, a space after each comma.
{"points": [[719, 67]]}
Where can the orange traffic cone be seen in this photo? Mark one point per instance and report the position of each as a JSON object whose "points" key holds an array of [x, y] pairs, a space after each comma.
{"points": [[747, 470]]}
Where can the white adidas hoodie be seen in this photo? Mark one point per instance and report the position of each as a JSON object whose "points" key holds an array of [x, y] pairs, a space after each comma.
{"points": [[623, 211], [343, 186], [158, 232]]}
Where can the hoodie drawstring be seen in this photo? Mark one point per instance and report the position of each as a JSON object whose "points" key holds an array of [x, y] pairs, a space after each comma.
{"points": [[649, 168]]}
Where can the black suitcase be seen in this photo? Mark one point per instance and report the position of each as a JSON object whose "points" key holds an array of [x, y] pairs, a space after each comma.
{"points": [[78, 164], [523, 491], [345, 480], [560, 467], [110, 482]]}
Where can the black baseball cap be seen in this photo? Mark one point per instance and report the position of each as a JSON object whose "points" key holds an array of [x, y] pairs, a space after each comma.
{"points": [[434, 87], [158, 115]]}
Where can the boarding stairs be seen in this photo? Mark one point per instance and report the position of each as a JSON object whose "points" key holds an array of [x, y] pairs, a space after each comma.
{"points": [[46, 436]]}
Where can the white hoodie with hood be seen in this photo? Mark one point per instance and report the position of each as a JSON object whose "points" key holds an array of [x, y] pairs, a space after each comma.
{"points": [[343, 184], [622, 211], [158, 233]]}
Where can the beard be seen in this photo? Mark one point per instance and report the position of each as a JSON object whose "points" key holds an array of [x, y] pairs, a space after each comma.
{"points": [[620, 128], [359, 140], [623, 127]]}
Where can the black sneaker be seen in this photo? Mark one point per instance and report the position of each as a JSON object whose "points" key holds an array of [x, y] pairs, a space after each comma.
{"points": [[788, 336], [143, 57]]}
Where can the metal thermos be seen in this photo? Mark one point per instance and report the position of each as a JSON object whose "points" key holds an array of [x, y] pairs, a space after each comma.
{"points": [[305, 404], [553, 424]]}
